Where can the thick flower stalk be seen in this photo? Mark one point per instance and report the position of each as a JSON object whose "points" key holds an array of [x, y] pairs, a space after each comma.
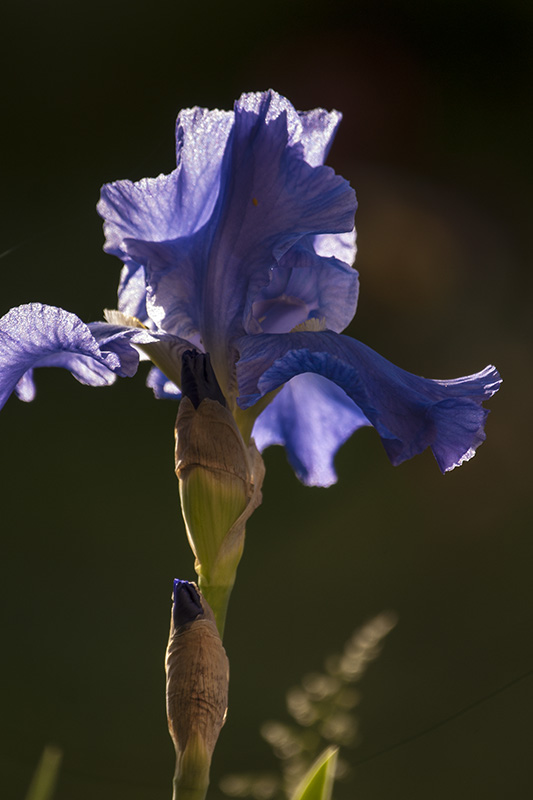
{"points": [[220, 481]]}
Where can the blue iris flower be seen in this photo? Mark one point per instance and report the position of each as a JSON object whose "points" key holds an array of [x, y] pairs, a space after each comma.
{"points": [[244, 251]]}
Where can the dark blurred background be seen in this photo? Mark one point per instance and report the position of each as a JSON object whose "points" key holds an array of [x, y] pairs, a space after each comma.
{"points": [[437, 142]]}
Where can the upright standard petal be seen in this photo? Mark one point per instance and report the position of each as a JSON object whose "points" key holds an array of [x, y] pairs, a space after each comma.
{"points": [[132, 292], [249, 197], [270, 198], [37, 335], [166, 207], [170, 206], [410, 413]]}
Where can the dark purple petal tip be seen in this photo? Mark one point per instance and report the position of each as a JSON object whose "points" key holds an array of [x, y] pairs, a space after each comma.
{"points": [[187, 603]]}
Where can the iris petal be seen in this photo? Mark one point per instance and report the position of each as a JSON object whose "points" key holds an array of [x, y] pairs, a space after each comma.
{"points": [[317, 131], [311, 417], [162, 387], [25, 388], [169, 206], [410, 413], [37, 335], [132, 291], [117, 340], [313, 131], [249, 194], [322, 287], [270, 198]]}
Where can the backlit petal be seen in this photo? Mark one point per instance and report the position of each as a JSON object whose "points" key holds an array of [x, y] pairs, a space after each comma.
{"points": [[311, 417], [162, 387], [310, 286], [249, 195], [410, 413], [36, 335], [170, 206]]}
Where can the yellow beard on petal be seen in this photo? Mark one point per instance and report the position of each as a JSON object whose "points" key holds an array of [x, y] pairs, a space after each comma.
{"points": [[313, 324], [115, 317]]}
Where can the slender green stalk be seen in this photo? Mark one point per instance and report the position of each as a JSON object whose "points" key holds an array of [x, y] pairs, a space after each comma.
{"points": [[218, 598], [190, 782]]}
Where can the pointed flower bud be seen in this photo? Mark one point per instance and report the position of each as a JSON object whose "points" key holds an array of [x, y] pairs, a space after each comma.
{"points": [[220, 481], [197, 671], [198, 379]]}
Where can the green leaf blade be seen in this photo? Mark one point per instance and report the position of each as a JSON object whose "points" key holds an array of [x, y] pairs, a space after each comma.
{"points": [[45, 778], [317, 783]]}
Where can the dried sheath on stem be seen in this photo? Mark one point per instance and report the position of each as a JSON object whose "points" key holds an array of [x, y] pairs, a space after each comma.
{"points": [[197, 689]]}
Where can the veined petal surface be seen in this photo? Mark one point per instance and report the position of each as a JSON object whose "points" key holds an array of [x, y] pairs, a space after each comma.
{"points": [[170, 206], [311, 417], [37, 335], [270, 198], [310, 286], [132, 292], [410, 413], [249, 196]]}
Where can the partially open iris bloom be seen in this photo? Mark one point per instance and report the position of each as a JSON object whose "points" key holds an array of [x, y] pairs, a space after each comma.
{"points": [[244, 251]]}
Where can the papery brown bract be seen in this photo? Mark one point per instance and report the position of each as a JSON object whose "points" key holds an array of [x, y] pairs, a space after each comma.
{"points": [[197, 671]]}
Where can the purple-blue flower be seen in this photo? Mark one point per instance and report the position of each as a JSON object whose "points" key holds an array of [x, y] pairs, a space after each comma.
{"points": [[244, 251]]}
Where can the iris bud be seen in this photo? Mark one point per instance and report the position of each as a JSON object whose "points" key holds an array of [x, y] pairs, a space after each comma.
{"points": [[197, 671], [220, 481]]}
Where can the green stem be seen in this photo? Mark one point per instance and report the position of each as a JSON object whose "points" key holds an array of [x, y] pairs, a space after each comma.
{"points": [[191, 778], [218, 599], [184, 791]]}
